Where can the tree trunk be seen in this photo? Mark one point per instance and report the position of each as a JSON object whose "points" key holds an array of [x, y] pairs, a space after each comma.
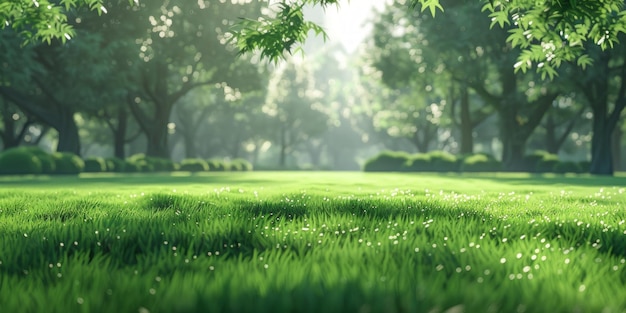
{"points": [[514, 149], [617, 151], [604, 120], [119, 134], [190, 145], [157, 143], [236, 150], [154, 127], [315, 153], [422, 142], [601, 152], [466, 127], [57, 116], [551, 140], [69, 141], [283, 148]]}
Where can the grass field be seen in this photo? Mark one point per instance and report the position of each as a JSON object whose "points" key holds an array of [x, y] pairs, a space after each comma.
{"points": [[313, 242]]}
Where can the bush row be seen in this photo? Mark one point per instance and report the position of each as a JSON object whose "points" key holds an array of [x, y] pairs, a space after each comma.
{"points": [[33, 160], [441, 161]]}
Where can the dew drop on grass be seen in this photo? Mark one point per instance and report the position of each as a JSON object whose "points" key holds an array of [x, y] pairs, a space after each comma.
{"points": [[80, 300], [581, 288], [503, 260]]}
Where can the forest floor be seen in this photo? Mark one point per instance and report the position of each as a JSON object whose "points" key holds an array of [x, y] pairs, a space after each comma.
{"points": [[312, 242]]}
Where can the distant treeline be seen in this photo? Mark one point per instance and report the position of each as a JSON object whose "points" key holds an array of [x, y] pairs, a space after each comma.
{"points": [[441, 161]]}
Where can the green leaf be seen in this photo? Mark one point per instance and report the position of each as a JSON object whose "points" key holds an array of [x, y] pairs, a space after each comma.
{"points": [[584, 60], [431, 5]]}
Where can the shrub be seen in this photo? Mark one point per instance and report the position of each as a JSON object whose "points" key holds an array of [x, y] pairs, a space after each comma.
{"points": [[547, 163], [441, 161], [531, 161], [131, 167], [217, 165], [160, 164], [567, 167], [68, 163], [387, 161], [585, 166], [95, 165], [46, 159], [240, 165], [480, 163], [194, 165], [16, 161], [115, 165], [141, 162], [417, 163]]}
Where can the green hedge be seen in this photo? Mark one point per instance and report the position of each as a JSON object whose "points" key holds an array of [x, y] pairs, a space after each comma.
{"points": [[18, 161], [217, 165], [480, 163], [68, 163], [140, 163], [546, 164], [194, 165], [95, 165], [434, 161], [47, 161], [567, 167], [240, 165], [441, 161], [116, 165], [387, 161], [419, 162]]}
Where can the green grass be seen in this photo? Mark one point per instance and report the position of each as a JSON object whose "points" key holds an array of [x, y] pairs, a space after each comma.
{"points": [[312, 242]]}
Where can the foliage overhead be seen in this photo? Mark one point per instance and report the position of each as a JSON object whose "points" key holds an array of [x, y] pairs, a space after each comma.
{"points": [[44, 20], [549, 32]]}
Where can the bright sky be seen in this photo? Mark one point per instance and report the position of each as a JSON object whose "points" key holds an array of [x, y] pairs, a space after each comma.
{"points": [[347, 24]]}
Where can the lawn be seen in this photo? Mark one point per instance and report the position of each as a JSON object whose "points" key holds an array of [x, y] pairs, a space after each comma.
{"points": [[313, 242]]}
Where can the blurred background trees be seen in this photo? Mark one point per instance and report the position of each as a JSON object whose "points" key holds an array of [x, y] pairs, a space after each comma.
{"points": [[162, 79]]}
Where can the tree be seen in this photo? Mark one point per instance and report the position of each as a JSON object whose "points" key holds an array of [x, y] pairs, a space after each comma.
{"points": [[174, 48], [413, 52], [560, 121], [548, 32], [469, 59], [55, 81], [604, 87], [292, 101]]}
